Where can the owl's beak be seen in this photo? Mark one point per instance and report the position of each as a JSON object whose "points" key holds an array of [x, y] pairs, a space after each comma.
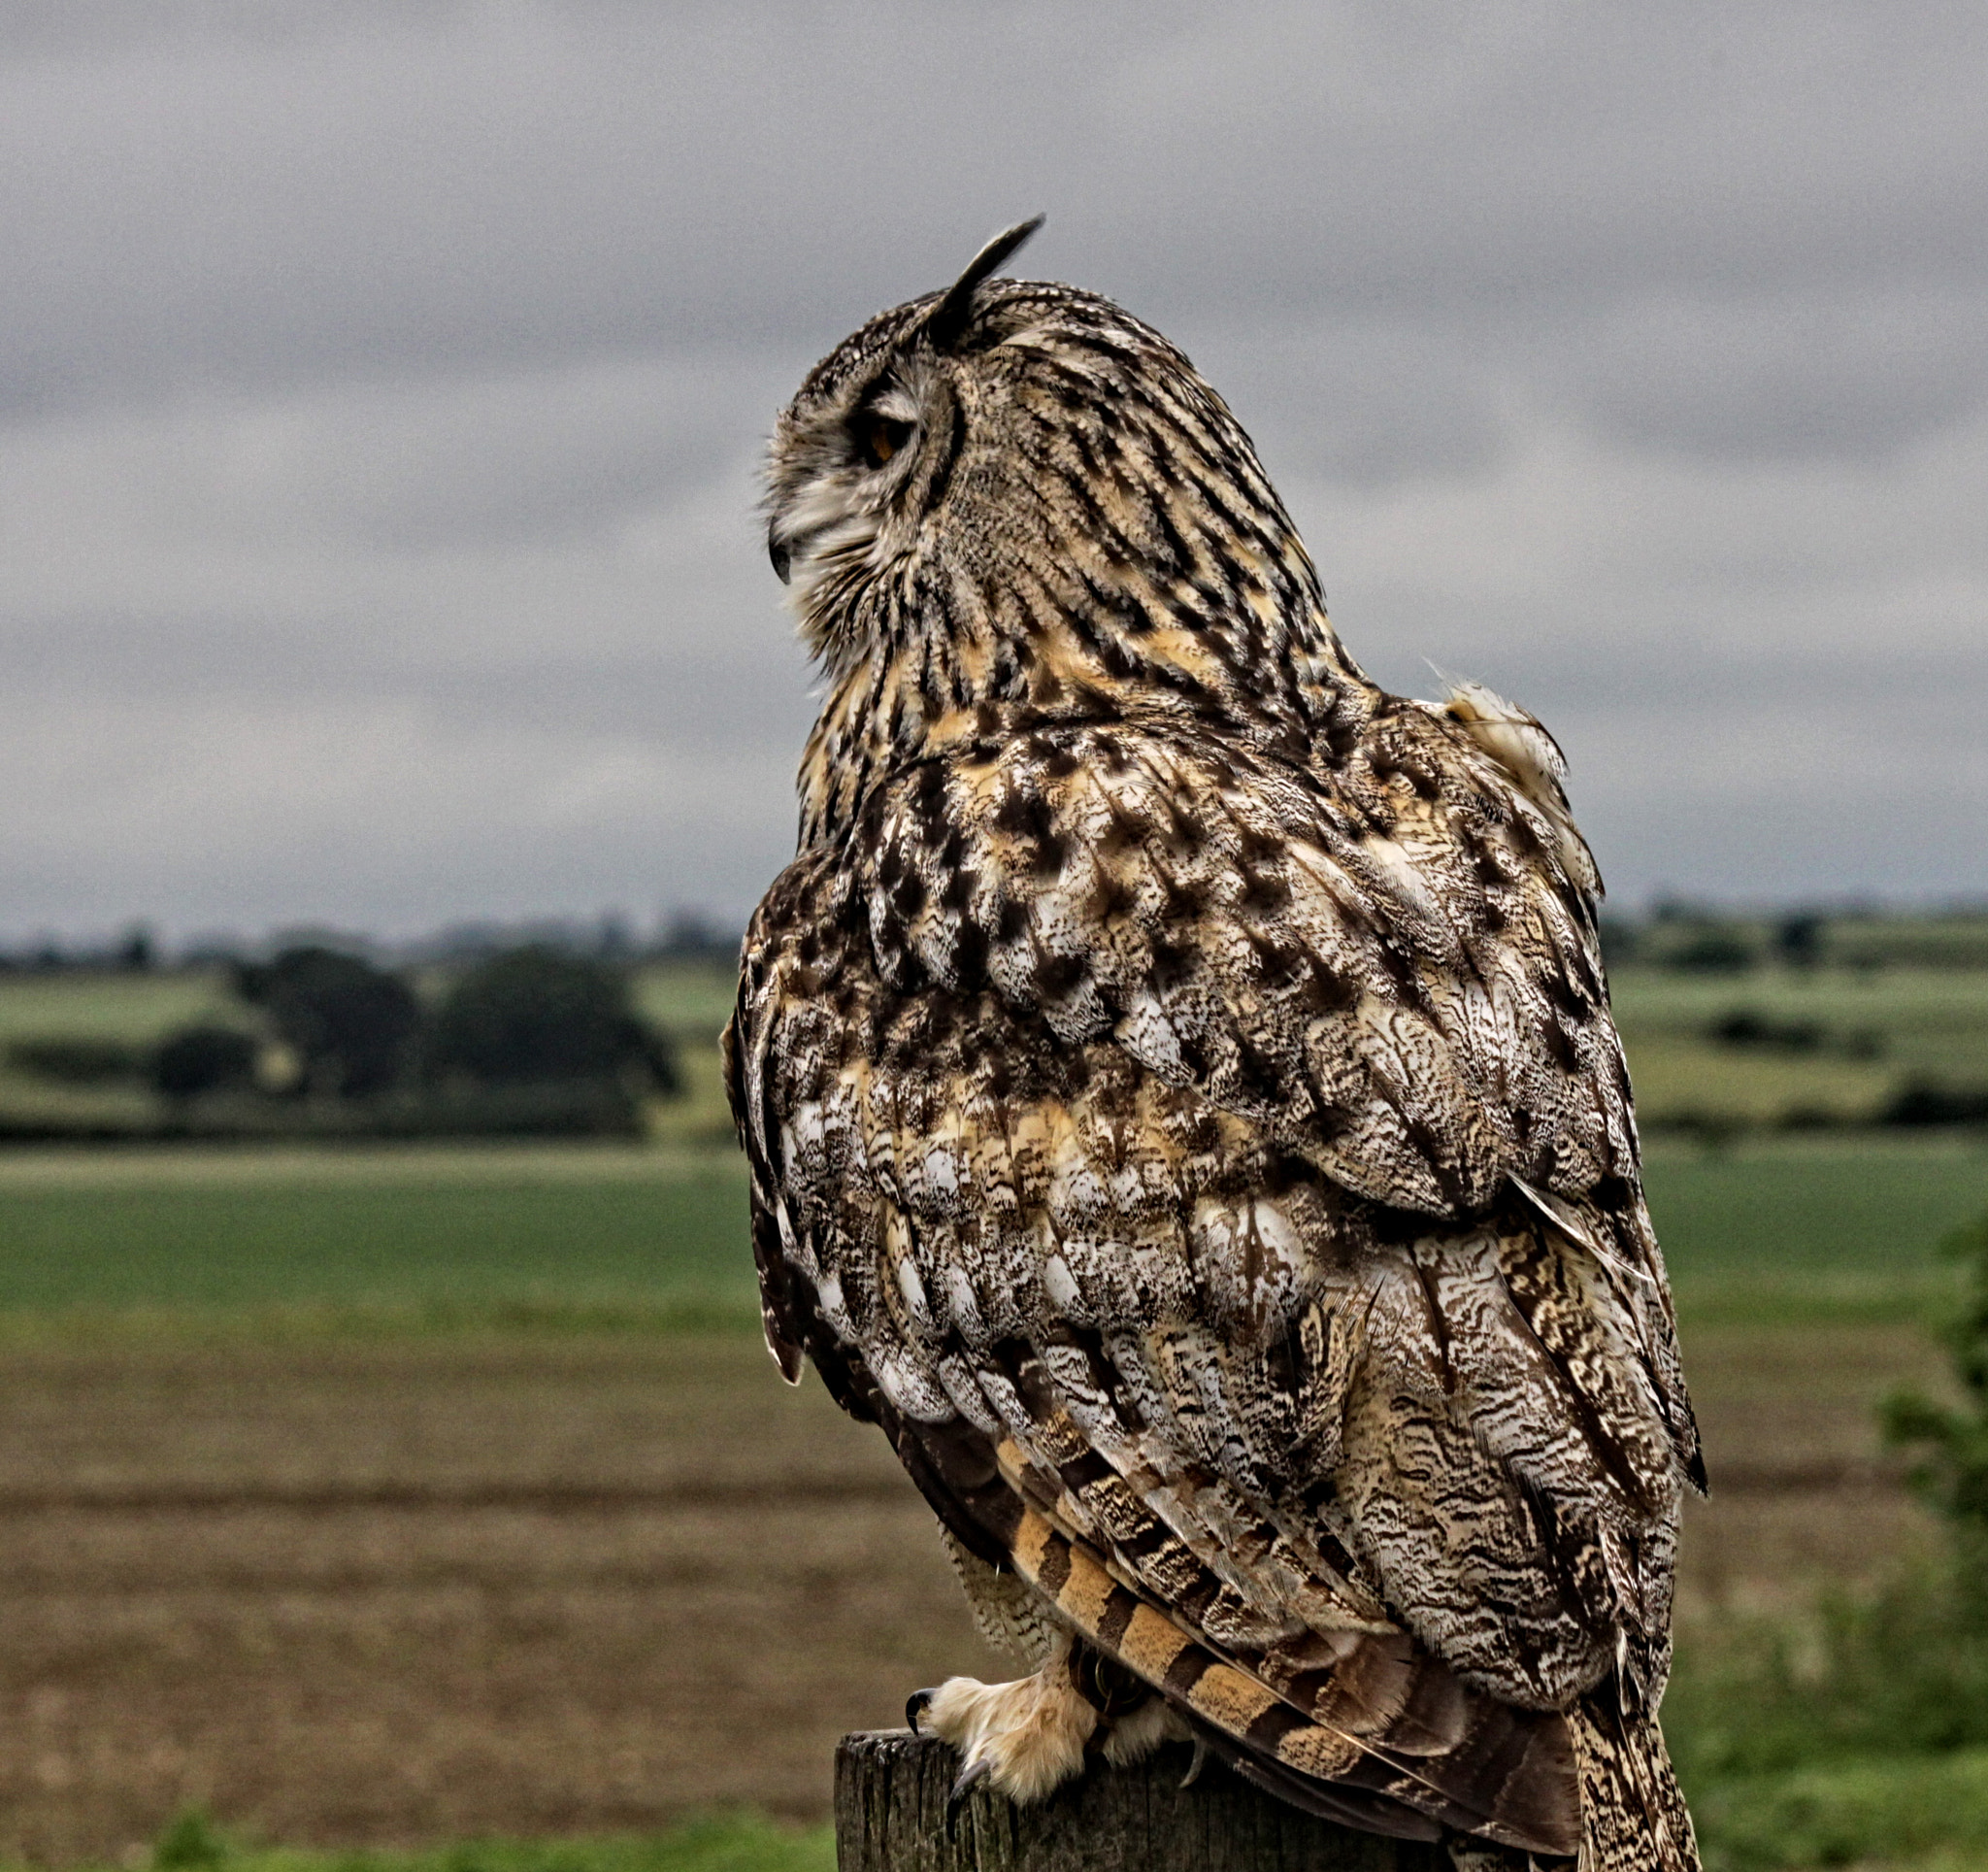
{"points": [[782, 561]]}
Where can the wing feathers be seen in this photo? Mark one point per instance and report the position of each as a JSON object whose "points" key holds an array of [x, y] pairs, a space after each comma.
{"points": [[1228, 1204], [1492, 1749]]}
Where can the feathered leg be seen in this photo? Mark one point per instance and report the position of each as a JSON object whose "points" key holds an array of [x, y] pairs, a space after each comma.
{"points": [[1028, 1737]]}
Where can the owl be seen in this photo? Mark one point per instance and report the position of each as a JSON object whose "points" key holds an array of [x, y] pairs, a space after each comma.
{"points": [[1184, 1116]]}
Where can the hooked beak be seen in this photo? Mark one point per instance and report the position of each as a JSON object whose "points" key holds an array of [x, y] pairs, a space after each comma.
{"points": [[782, 561]]}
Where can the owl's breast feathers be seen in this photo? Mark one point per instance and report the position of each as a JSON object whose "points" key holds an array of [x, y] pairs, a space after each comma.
{"points": [[1217, 1174]]}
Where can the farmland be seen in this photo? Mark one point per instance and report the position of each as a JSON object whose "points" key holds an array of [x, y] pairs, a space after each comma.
{"points": [[382, 1496], [394, 1233], [391, 1494], [1827, 1046], [1799, 1226], [1770, 1048]]}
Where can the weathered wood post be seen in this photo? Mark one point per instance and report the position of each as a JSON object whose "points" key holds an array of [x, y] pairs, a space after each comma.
{"points": [[891, 1816]]}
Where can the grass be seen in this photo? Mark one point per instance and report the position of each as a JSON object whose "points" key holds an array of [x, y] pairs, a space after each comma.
{"points": [[693, 1000], [445, 1235], [725, 1843], [1811, 1226], [1781, 1228], [1928, 1811], [110, 1005]]}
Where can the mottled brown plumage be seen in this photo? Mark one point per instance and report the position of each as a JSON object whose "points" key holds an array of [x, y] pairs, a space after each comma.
{"points": [[1185, 1113]]}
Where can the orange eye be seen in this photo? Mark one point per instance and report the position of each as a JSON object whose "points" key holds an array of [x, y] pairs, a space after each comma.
{"points": [[882, 438]]}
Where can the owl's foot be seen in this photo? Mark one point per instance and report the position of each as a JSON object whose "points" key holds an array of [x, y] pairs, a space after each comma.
{"points": [[1028, 1737], [1024, 1738]]}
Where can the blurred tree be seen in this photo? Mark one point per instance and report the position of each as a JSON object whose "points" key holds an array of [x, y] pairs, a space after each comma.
{"points": [[136, 951], [1766, 1032], [1798, 939], [1620, 940], [537, 1014], [202, 1059], [76, 1058], [1925, 1101], [352, 1025], [1714, 948]]}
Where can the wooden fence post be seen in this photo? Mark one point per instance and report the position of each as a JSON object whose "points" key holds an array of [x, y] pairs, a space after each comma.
{"points": [[891, 1816]]}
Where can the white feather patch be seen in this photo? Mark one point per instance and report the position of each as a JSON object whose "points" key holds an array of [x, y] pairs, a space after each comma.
{"points": [[1512, 736]]}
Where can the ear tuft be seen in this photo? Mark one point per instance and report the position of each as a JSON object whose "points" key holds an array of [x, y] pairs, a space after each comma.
{"points": [[947, 319]]}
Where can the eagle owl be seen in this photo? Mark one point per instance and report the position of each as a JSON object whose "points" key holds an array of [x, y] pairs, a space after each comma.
{"points": [[1184, 1114]]}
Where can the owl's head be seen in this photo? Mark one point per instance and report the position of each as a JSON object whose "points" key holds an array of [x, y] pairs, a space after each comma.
{"points": [[1007, 460]]}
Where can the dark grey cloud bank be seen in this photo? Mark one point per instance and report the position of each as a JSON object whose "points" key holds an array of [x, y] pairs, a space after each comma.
{"points": [[381, 385]]}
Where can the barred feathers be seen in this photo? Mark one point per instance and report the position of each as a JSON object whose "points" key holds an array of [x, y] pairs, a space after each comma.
{"points": [[1183, 1108]]}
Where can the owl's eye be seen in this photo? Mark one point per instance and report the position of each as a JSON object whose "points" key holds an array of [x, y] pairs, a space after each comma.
{"points": [[882, 438]]}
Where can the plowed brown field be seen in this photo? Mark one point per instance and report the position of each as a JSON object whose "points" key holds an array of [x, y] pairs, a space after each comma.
{"points": [[353, 1591]]}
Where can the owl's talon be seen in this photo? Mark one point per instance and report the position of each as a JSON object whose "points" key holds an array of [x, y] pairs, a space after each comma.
{"points": [[915, 1706], [1194, 1766], [966, 1781]]}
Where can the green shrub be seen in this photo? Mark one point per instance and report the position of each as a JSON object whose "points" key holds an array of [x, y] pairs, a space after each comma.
{"points": [[189, 1844], [1951, 1441], [1901, 1671], [201, 1060], [1851, 1813]]}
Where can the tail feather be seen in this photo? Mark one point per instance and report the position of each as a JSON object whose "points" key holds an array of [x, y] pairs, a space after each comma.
{"points": [[1633, 1813]]}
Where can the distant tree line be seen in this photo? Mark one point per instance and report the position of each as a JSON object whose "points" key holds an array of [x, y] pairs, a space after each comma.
{"points": [[683, 936], [526, 1040], [1694, 939], [555, 1036]]}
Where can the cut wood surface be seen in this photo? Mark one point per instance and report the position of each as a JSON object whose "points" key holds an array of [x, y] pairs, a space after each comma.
{"points": [[893, 1814]]}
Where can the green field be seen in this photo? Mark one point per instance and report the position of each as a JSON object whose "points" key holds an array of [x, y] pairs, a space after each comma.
{"points": [[727, 1842], [1870, 1031], [1795, 1227], [436, 1234], [455, 1232]]}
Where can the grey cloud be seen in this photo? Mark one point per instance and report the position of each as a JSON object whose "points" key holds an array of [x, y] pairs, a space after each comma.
{"points": [[1800, 376], [39, 27], [479, 187], [1361, 403], [371, 816], [380, 386], [539, 455], [715, 693]]}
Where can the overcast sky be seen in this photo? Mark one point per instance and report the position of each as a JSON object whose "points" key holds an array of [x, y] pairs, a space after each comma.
{"points": [[381, 389]]}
